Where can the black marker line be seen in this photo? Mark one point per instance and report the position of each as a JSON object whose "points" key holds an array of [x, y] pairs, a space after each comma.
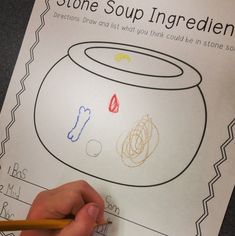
{"points": [[133, 222], [17, 199], [28, 182]]}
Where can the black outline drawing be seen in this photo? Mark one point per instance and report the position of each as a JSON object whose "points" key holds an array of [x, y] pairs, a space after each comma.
{"points": [[132, 51], [119, 47]]}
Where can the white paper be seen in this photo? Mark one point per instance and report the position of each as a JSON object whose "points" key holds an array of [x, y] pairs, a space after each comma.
{"points": [[137, 99]]}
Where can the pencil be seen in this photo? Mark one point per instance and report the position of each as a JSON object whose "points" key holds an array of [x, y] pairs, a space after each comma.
{"points": [[15, 225]]}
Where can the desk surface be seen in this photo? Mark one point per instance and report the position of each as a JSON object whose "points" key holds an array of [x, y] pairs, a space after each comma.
{"points": [[14, 16]]}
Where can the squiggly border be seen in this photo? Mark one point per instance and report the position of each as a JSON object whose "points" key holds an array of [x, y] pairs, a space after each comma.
{"points": [[215, 178], [23, 88], [22, 81], [2, 234]]}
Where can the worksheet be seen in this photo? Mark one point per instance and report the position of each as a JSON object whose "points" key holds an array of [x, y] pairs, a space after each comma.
{"points": [[135, 97]]}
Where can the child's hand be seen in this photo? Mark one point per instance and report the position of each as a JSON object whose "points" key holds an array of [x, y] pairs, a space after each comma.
{"points": [[77, 199]]}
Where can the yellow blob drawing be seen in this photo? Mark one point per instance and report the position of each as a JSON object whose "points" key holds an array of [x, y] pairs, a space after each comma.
{"points": [[122, 56]]}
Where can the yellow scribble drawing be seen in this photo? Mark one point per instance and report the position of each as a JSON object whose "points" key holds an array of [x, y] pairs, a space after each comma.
{"points": [[140, 143], [122, 56]]}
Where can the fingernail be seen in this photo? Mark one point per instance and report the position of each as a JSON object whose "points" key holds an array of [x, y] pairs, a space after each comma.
{"points": [[93, 211]]}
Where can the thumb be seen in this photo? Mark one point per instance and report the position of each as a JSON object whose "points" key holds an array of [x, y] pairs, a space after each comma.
{"points": [[84, 222]]}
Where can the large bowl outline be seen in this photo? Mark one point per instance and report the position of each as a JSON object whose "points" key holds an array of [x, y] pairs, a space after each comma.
{"points": [[120, 47], [128, 71]]}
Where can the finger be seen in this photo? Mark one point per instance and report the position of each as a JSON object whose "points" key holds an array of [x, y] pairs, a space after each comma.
{"points": [[84, 223], [85, 193], [79, 192], [89, 194]]}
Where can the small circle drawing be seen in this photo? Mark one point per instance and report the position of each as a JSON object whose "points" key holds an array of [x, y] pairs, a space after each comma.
{"points": [[93, 148]]}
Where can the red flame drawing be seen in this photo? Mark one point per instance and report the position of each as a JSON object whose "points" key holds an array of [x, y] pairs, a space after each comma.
{"points": [[114, 104]]}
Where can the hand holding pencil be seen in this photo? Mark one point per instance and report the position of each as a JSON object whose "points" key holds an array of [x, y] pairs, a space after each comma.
{"points": [[77, 199]]}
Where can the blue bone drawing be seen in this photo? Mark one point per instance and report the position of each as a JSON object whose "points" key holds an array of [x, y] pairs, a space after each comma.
{"points": [[82, 119]]}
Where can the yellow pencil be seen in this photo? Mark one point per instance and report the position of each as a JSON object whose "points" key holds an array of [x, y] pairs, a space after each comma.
{"points": [[14, 225]]}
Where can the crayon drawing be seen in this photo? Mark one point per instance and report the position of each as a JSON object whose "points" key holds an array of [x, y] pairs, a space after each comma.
{"points": [[82, 118], [140, 143]]}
